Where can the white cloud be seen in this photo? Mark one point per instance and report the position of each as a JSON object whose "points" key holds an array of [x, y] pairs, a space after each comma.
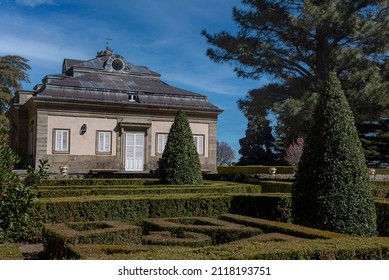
{"points": [[33, 3], [37, 50]]}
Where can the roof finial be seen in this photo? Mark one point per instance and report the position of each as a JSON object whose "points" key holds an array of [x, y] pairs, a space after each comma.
{"points": [[107, 50], [107, 42]]}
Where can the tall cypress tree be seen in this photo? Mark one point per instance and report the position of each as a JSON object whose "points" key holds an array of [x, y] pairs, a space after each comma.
{"points": [[332, 189], [180, 163]]}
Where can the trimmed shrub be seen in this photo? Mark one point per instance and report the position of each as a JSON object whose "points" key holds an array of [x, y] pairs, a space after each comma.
{"points": [[381, 192], [382, 208], [276, 187], [184, 238], [271, 186], [83, 209], [106, 251], [254, 169], [57, 236], [272, 226], [219, 231], [354, 248], [216, 188], [270, 207], [204, 205], [131, 209], [180, 163], [98, 182], [332, 189], [381, 171], [381, 183]]}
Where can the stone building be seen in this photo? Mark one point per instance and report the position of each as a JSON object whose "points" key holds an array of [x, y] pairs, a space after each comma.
{"points": [[106, 115]]}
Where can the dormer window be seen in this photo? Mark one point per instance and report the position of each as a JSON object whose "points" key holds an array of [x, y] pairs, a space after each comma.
{"points": [[132, 97], [117, 64]]}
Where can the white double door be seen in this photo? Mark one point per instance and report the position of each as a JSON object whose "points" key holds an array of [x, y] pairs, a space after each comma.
{"points": [[134, 151]]}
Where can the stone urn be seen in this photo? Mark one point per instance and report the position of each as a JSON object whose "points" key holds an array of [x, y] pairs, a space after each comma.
{"points": [[63, 170], [272, 171]]}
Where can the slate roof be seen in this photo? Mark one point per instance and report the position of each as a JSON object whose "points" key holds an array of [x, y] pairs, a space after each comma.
{"points": [[94, 80]]}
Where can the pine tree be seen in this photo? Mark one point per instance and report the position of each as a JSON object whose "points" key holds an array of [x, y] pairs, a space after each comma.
{"points": [[180, 163], [291, 46], [374, 136], [13, 71], [332, 189]]}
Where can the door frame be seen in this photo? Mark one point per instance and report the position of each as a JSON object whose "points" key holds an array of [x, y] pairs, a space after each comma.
{"points": [[126, 133]]}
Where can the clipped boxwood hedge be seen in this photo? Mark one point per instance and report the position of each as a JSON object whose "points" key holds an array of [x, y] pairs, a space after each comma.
{"points": [[131, 208], [57, 236], [286, 228], [380, 183], [189, 206], [98, 181], [220, 231], [143, 190], [350, 248], [270, 207], [255, 169], [184, 238], [382, 210], [271, 186], [381, 192], [94, 208], [381, 171]]}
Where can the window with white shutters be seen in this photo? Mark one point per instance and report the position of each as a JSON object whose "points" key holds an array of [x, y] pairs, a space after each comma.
{"points": [[161, 142], [61, 141], [103, 144], [199, 143]]}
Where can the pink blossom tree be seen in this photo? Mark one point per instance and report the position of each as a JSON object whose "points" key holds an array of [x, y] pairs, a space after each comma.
{"points": [[294, 151]]}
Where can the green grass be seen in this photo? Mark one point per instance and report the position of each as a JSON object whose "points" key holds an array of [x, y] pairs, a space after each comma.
{"points": [[10, 252]]}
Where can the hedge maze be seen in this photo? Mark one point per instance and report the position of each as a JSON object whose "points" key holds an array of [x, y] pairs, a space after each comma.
{"points": [[71, 240], [141, 219]]}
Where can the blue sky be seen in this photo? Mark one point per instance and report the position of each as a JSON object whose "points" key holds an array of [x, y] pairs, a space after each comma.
{"points": [[161, 34]]}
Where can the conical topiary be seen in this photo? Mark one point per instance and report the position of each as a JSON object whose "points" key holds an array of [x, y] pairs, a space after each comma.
{"points": [[180, 163], [332, 189]]}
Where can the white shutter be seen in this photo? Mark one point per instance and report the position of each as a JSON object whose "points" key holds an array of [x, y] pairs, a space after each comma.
{"points": [[58, 140], [107, 141], [65, 140], [104, 141], [162, 139], [61, 143], [100, 144], [199, 143], [200, 146], [159, 143]]}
